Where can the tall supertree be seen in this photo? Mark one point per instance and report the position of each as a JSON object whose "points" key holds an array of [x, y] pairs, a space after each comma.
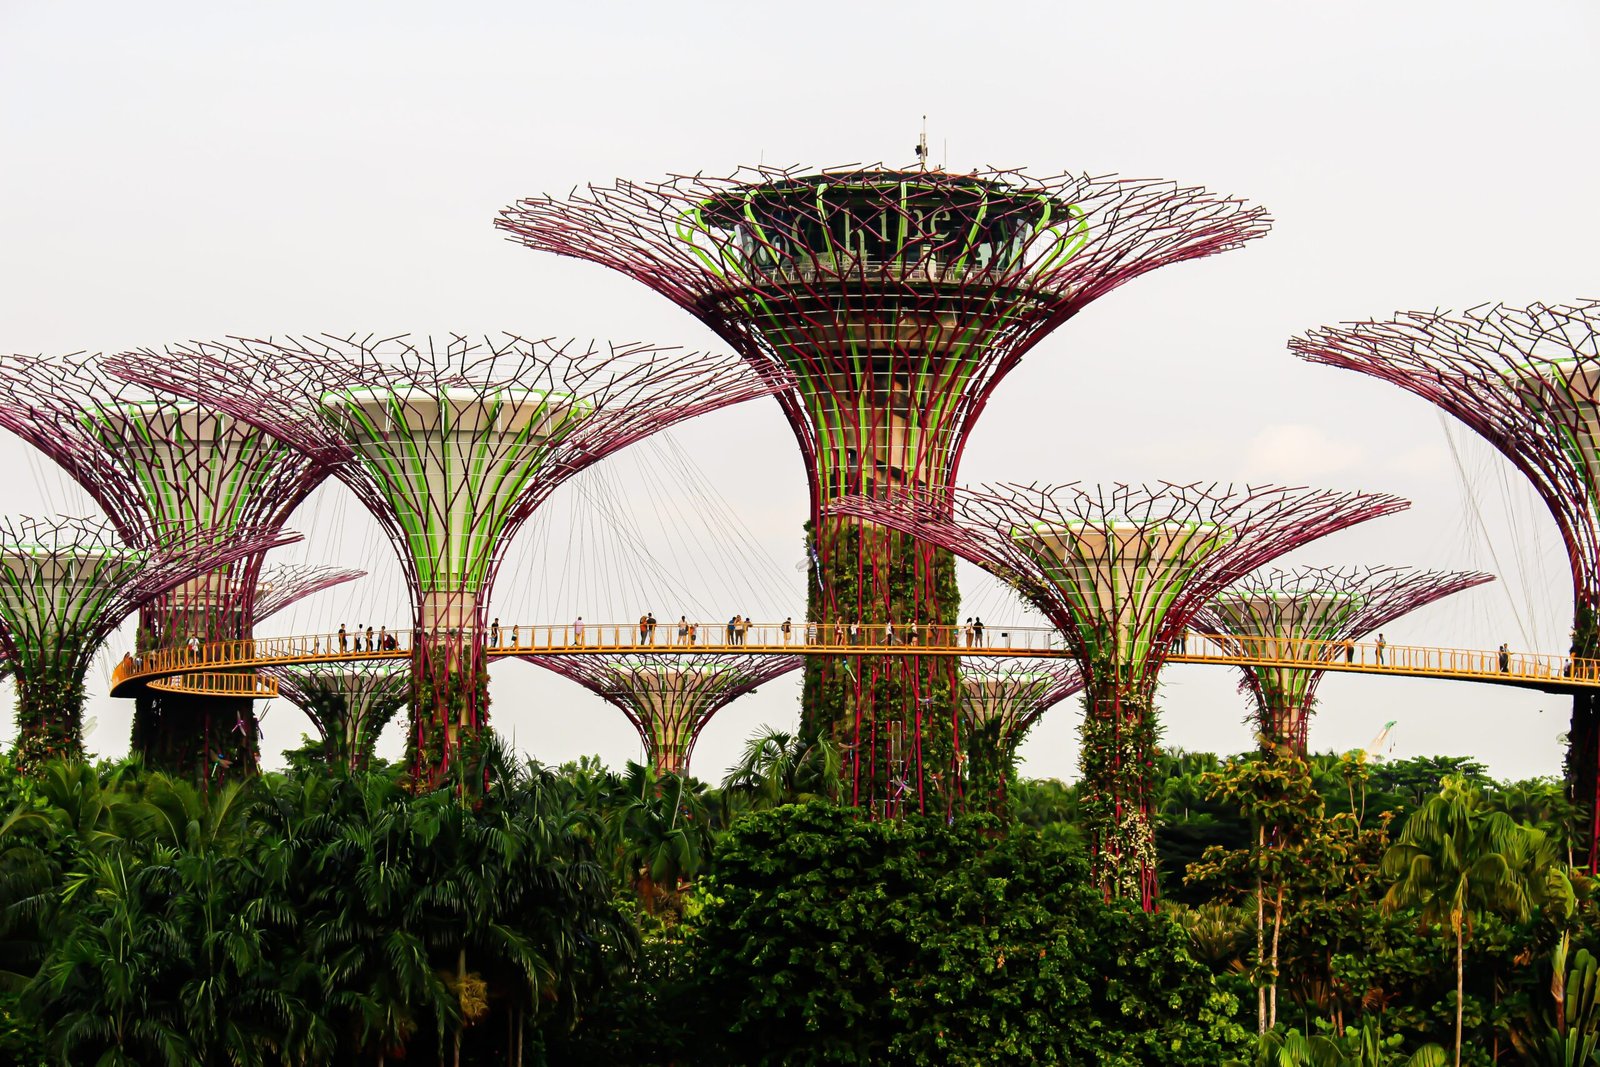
{"points": [[1121, 571], [451, 444], [669, 697], [348, 703], [163, 469], [1310, 613], [65, 584], [1527, 380], [1000, 699], [896, 300]]}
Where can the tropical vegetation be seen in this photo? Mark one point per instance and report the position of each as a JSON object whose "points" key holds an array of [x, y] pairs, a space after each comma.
{"points": [[1327, 910]]}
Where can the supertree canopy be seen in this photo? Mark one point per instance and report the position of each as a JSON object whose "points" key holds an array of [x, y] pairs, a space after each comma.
{"points": [[163, 468], [281, 585], [1000, 699], [1121, 571], [1523, 379], [669, 698], [65, 584], [348, 703], [1311, 613], [896, 300], [452, 445]]}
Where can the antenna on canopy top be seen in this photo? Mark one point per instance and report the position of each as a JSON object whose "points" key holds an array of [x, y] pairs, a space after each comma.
{"points": [[922, 146]]}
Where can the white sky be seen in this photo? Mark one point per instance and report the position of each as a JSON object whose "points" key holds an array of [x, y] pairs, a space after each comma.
{"points": [[192, 170]]}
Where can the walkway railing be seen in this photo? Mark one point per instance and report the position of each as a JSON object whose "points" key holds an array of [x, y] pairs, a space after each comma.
{"points": [[1527, 669], [238, 684]]}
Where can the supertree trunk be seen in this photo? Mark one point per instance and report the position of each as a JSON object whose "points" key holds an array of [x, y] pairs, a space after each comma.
{"points": [[49, 705], [450, 693], [1117, 763], [894, 717]]}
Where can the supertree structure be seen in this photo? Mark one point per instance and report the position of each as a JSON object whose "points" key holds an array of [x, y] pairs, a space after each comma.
{"points": [[162, 469], [1313, 613], [1527, 380], [65, 584], [348, 703], [451, 445], [1000, 699], [1121, 571], [896, 300], [669, 697]]}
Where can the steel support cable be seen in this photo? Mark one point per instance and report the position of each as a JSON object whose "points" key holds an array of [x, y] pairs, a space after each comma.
{"points": [[778, 583], [712, 526], [631, 536], [1476, 511]]}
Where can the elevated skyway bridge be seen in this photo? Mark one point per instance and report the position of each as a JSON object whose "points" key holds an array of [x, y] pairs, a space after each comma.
{"points": [[221, 667]]}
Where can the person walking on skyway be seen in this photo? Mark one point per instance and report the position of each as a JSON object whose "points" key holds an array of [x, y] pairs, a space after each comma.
{"points": [[733, 626], [786, 624], [1505, 658], [494, 632], [644, 626], [650, 623], [577, 631], [1379, 647], [371, 645], [344, 641], [683, 630], [977, 631]]}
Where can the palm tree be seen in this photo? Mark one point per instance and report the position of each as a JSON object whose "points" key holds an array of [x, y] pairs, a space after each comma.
{"points": [[780, 768], [1455, 859], [661, 831]]}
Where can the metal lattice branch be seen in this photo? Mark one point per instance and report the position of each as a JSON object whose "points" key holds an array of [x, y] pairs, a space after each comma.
{"points": [[1315, 612], [1122, 570], [284, 584], [895, 299], [157, 465], [1004, 697], [1524, 379], [348, 703], [65, 584], [450, 444], [670, 698]]}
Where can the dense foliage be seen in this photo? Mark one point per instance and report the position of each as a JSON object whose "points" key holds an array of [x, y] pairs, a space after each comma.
{"points": [[1313, 911]]}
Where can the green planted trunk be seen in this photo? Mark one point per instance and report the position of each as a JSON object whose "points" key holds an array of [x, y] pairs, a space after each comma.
{"points": [[49, 713], [893, 716], [1117, 761], [449, 709]]}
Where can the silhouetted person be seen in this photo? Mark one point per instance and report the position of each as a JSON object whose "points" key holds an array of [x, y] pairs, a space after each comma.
{"points": [[494, 632], [344, 641]]}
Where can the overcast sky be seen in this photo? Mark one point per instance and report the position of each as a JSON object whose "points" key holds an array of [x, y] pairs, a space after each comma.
{"points": [[178, 171]]}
